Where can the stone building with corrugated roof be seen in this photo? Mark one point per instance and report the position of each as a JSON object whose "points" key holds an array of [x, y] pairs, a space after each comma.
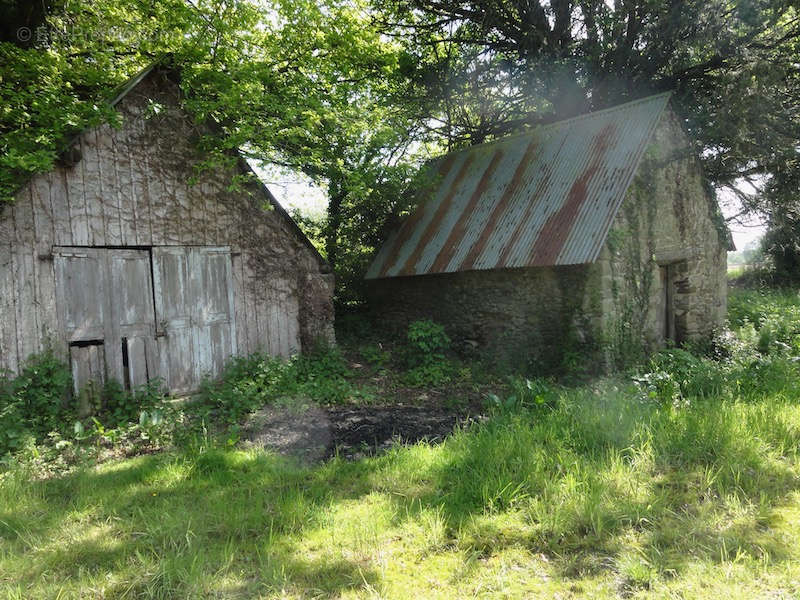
{"points": [[594, 235]]}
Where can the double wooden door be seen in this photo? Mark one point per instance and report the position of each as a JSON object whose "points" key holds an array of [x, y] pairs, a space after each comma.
{"points": [[139, 314]]}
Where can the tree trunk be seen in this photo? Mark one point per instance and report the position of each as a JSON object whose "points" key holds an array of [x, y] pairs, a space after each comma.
{"points": [[336, 196]]}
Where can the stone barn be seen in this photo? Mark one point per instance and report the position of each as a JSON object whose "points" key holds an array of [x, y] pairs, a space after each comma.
{"points": [[130, 270], [592, 236]]}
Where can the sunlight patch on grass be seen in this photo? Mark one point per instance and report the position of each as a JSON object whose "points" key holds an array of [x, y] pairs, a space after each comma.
{"points": [[608, 492]]}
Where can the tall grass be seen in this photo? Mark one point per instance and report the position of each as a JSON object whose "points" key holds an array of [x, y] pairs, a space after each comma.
{"points": [[648, 488]]}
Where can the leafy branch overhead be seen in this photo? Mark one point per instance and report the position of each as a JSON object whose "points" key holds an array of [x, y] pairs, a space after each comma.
{"points": [[357, 93]]}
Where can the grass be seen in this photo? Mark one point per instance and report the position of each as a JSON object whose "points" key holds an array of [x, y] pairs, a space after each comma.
{"points": [[612, 489]]}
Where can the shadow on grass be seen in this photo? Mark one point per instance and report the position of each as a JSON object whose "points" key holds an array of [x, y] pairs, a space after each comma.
{"points": [[693, 485], [182, 519], [168, 525]]}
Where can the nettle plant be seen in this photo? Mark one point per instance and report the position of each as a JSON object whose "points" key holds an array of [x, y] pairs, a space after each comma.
{"points": [[426, 344]]}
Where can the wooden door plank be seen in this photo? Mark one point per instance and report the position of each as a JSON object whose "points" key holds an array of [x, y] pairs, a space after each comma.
{"points": [[137, 362], [211, 285], [59, 203], [80, 287], [113, 338], [8, 311], [133, 312], [173, 316], [87, 364]]}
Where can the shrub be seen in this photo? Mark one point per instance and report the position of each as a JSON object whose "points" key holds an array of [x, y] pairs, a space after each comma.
{"points": [[121, 406], [526, 394], [674, 375], [375, 355], [34, 403], [248, 383], [424, 355], [428, 375], [13, 429], [426, 343]]}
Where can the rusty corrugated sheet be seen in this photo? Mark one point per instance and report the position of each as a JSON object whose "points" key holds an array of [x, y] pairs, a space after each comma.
{"points": [[546, 197]]}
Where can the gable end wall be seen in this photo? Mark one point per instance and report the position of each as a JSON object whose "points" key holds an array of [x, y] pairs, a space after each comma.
{"points": [[667, 218], [130, 189]]}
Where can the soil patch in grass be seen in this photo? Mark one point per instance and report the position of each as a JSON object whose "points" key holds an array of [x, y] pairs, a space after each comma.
{"points": [[314, 433]]}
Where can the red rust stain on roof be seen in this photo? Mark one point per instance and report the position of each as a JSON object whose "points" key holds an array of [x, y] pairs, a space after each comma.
{"points": [[499, 208], [523, 222], [459, 229], [436, 221], [559, 225], [410, 224]]}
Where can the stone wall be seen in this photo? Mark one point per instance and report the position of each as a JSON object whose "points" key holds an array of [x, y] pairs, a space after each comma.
{"points": [[667, 233], [538, 318], [523, 318]]}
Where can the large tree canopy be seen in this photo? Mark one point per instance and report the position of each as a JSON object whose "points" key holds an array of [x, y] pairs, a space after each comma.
{"points": [[354, 93], [309, 85], [500, 64], [734, 66]]}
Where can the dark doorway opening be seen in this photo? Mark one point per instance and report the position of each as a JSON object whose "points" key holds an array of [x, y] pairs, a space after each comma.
{"points": [[668, 273]]}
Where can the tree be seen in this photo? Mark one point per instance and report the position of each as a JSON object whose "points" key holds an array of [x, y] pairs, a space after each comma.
{"points": [[501, 65], [309, 85]]}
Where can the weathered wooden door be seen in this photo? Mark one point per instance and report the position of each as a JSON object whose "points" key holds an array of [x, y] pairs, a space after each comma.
{"points": [[173, 317], [132, 317], [194, 313], [106, 309], [211, 284], [81, 292]]}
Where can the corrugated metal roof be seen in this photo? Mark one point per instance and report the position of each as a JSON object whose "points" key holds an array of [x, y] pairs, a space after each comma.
{"points": [[545, 197]]}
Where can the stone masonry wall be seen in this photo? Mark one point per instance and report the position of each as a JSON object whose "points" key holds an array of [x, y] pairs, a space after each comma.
{"points": [[667, 225], [523, 318]]}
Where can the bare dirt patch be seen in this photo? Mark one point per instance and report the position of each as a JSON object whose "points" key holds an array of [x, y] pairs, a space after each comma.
{"points": [[313, 433]]}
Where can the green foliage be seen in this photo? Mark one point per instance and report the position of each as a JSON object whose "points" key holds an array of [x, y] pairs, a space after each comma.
{"points": [[732, 69], [375, 355], [13, 428], [250, 382], [45, 98], [773, 316], [426, 343], [675, 375], [432, 374], [34, 403], [525, 394], [312, 86], [757, 359], [424, 355], [121, 406], [600, 488]]}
